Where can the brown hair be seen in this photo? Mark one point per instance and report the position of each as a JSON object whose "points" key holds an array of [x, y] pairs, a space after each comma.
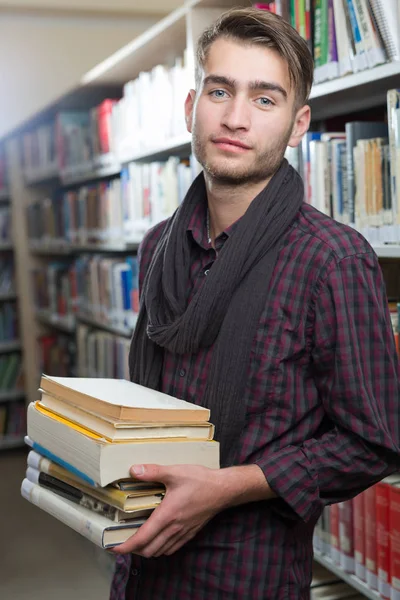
{"points": [[255, 26]]}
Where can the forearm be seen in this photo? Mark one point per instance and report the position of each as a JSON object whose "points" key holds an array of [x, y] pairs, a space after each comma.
{"points": [[243, 484]]}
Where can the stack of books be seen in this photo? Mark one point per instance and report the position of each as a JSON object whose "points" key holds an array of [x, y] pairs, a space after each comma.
{"points": [[85, 435]]}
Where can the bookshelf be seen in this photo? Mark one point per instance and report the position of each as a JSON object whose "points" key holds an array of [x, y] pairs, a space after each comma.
{"points": [[352, 580], [172, 37]]}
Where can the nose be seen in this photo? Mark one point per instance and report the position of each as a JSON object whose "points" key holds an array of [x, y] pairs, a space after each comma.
{"points": [[237, 114]]}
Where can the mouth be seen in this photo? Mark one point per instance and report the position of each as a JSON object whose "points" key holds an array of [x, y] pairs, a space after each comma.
{"points": [[229, 145]]}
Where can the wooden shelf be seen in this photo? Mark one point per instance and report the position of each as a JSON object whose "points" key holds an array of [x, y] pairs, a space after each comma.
{"points": [[11, 441], [7, 296], [64, 323], [352, 580], [11, 346], [124, 332], [49, 248], [11, 395]]}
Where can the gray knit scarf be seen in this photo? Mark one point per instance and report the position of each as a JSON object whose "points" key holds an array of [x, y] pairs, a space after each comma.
{"points": [[225, 311]]}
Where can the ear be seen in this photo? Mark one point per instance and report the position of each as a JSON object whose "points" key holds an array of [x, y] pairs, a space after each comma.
{"points": [[189, 105], [301, 125]]}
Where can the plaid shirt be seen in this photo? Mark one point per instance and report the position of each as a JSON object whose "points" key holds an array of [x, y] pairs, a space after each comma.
{"points": [[323, 420]]}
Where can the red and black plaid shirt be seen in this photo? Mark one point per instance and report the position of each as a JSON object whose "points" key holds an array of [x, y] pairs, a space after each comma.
{"points": [[323, 416]]}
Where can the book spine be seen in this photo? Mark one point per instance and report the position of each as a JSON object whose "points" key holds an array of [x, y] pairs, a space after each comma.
{"points": [[39, 449], [371, 570], [394, 527], [335, 547], [383, 539], [346, 536], [359, 536], [65, 512]]}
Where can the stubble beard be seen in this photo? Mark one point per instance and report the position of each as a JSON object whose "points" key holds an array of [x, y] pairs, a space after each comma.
{"points": [[226, 172]]}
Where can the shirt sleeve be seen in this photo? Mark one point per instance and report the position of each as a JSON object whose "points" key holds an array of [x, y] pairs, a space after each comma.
{"points": [[356, 370]]}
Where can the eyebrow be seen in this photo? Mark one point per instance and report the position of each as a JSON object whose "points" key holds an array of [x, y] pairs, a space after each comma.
{"points": [[253, 85]]}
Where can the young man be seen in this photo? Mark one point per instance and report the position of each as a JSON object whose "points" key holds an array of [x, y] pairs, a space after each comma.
{"points": [[274, 316]]}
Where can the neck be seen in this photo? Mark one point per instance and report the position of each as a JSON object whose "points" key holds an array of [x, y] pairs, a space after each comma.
{"points": [[227, 203]]}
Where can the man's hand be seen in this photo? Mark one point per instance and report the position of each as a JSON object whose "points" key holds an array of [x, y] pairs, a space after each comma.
{"points": [[194, 495]]}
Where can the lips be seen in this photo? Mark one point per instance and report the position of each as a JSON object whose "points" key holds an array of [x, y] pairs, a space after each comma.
{"points": [[230, 142]]}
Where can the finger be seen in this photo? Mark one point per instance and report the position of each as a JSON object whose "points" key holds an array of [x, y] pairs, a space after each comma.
{"points": [[166, 537], [146, 533], [176, 541], [151, 473]]}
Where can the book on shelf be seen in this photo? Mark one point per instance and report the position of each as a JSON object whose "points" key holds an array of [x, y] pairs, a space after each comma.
{"points": [[113, 212], [3, 170], [369, 536], [5, 225], [345, 36], [8, 322], [12, 418], [7, 275], [57, 354], [107, 290], [101, 354], [139, 122], [11, 373], [79, 465], [353, 175], [54, 291]]}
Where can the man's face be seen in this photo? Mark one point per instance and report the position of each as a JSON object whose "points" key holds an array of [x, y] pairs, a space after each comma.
{"points": [[242, 116]]}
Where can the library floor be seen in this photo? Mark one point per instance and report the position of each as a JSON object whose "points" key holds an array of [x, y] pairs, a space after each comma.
{"points": [[41, 559]]}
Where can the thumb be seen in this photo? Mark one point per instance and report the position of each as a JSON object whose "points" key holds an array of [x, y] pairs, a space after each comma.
{"points": [[149, 473]]}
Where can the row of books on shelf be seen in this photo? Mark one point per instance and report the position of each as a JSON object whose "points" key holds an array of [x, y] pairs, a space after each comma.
{"points": [[79, 141], [7, 275], [3, 171], [12, 419], [5, 225], [109, 212], [78, 471], [103, 289], [354, 175], [345, 36], [362, 536], [57, 354], [101, 354], [94, 353], [11, 373], [8, 322]]}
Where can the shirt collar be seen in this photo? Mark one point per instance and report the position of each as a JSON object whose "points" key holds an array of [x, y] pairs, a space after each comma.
{"points": [[198, 227]]}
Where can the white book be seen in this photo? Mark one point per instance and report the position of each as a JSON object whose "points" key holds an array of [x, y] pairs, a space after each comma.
{"points": [[343, 39], [95, 527], [375, 53], [104, 462]]}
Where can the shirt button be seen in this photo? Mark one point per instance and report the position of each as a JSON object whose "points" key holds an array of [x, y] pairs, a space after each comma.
{"points": [[182, 372], [135, 572]]}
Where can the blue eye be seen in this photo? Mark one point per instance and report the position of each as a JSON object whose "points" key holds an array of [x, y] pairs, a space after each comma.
{"points": [[264, 101], [218, 94]]}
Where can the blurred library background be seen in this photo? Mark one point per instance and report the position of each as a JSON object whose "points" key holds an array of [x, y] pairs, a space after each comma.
{"points": [[93, 152]]}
